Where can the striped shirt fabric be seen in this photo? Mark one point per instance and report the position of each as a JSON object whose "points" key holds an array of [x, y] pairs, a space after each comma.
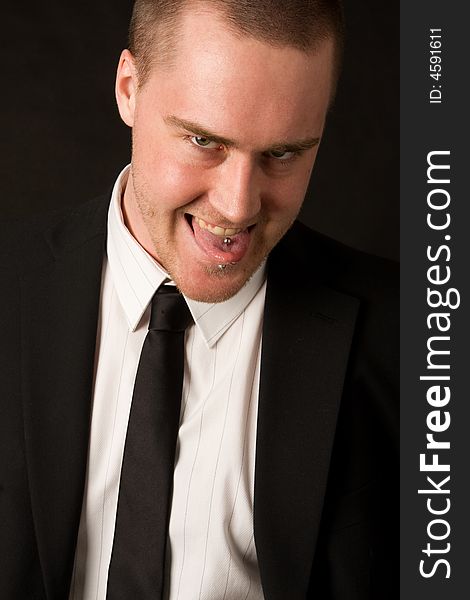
{"points": [[211, 551]]}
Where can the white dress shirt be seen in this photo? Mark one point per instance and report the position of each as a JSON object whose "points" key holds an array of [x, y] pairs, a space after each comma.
{"points": [[211, 552]]}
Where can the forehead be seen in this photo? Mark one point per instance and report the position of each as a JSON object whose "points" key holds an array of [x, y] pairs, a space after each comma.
{"points": [[240, 86]]}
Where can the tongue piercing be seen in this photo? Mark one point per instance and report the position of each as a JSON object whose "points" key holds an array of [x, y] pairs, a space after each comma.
{"points": [[222, 267], [227, 241]]}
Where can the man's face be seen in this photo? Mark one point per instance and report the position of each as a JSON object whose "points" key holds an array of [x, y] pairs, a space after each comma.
{"points": [[224, 142]]}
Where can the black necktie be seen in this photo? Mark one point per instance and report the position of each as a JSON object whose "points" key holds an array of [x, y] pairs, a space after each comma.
{"points": [[138, 557]]}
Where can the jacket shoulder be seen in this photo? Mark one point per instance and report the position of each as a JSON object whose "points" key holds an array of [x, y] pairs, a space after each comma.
{"points": [[309, 254], [26, 243]]}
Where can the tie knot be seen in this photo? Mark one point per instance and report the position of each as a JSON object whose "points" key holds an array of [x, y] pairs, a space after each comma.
{"points": [[169, 311]]}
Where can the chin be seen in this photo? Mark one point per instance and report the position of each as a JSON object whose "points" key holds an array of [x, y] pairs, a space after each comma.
{"points": [[213, 284]]}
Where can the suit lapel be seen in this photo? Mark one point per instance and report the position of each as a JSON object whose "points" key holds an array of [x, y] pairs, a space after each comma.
{"points": [[307, 335], [307, 329], [60, 311]]}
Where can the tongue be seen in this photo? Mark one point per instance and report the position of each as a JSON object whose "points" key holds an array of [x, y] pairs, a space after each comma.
{"points": [[213, 245]]}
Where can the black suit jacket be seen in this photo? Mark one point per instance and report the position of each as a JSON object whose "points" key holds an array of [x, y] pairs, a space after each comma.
{"points": [[325, 512]]}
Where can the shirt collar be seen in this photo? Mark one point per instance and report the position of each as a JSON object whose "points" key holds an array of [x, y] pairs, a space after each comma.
{"points": [[137, 276]]}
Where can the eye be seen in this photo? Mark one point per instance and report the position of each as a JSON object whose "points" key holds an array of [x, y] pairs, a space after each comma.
{"points": [[281, 155], [203, 142]]}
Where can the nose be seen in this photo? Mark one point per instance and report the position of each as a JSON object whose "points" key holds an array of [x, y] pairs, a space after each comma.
{"points": [[235, 192]]}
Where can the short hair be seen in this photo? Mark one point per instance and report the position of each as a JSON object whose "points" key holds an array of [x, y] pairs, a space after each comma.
{"points": [[301, 24]]}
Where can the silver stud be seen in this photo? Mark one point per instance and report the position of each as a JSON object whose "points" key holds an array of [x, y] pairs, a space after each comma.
{"points": [[227, 241]]}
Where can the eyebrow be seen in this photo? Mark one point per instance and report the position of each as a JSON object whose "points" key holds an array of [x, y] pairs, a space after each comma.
{"points": [[200, 130]]}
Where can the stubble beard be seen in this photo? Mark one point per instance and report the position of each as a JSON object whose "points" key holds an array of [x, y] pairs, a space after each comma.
{"points": [[222, 290]]}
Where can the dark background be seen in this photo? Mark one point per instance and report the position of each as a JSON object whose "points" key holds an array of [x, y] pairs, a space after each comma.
{"points": [[62, 141]]}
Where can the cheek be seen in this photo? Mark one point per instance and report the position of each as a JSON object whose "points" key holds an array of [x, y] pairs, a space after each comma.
{"points": [[167, 178], [286, 197], [181, 177], [180, 184], [289, 190]]}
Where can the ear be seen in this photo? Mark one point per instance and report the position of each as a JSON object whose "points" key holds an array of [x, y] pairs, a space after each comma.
{"points": [[126, 87]]}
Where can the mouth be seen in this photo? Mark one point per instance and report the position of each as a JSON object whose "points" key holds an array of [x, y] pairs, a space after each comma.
{"points": [[221, 245]]}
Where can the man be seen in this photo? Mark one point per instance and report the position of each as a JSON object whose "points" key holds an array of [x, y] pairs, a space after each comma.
{"points": [[283, 476]]}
